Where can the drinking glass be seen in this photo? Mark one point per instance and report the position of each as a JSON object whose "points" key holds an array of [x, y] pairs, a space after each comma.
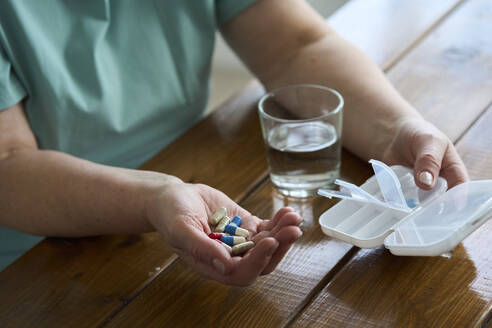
{"points": [[302, 130]]}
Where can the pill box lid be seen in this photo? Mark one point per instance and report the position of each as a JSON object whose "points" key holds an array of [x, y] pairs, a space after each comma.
{"points": [[438, 224], [443, 223], [389, 185]]}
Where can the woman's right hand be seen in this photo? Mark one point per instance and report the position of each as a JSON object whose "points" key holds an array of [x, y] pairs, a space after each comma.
{"points": [[180, 213]]}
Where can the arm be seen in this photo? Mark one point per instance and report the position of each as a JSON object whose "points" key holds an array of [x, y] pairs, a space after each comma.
{"points": [[286, 42], [51, 193]]}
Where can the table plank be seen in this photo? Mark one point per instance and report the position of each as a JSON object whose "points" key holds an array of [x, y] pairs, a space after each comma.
{"points": [[272, 300], [385, 40], [447, 76], [476, 147], [65, 281], [377, 289], [82, 278]]}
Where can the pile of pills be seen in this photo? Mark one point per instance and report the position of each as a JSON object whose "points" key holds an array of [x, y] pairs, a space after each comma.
{"points": [[229, 233]]}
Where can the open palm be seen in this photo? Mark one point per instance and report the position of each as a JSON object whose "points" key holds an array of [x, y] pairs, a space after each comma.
{"points": [[181, 214]]}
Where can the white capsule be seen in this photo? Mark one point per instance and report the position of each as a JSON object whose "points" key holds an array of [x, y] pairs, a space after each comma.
{"points": [[242, 232], [242, 248], [214, 219], [222, 223]]}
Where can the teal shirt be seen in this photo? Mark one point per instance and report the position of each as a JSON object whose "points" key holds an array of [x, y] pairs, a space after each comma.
{"points": [[111, 81]]}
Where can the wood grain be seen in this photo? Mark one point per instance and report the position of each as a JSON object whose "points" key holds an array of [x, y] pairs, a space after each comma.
{"points": [[476, 147], [393, 25], [65, 281], [447, 77], [377, 289], [272, 300]]}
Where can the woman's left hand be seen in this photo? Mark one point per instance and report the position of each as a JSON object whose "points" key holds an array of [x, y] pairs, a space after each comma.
{"points": [[420, 145]]}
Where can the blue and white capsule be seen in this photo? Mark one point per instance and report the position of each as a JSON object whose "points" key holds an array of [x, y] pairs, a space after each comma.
{"points": [[233, 230], [236, 221], [232, 240]]}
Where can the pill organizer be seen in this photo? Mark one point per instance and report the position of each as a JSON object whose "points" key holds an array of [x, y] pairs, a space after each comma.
{"points": [[390, 209]]}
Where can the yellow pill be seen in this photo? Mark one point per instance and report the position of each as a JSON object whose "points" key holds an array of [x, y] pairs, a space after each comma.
{"points": [[222, 224], [214, 219], [242, 248]]}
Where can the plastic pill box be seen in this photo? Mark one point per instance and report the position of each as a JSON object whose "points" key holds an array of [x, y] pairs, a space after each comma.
{"points": [[390, 209]]}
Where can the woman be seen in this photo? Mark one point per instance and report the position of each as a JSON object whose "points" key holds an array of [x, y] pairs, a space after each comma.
{"points": [[89, 90]]}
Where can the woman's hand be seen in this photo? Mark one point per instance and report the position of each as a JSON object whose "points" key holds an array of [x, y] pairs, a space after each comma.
{"points": [[180, 213], [420, 145]]}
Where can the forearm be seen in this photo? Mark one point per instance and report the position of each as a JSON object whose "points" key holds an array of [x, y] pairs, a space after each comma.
{"points": [[55, 194], [286, 42], [371, 103]]}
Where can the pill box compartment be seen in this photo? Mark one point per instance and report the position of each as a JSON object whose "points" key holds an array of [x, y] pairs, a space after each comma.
{"points": [[438, 222]]}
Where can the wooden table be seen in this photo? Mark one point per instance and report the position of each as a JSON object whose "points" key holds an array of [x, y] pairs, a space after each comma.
{"points": [[439, 56]]}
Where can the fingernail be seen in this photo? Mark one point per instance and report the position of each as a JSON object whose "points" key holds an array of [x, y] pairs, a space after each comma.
{"points": [[219, 266], [426, 178]]}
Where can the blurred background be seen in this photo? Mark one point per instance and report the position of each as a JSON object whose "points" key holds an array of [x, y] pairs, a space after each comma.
{"points": [[229, 75]]}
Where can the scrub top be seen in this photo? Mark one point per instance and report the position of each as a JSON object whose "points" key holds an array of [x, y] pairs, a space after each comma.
{"points": [[111, 81]]}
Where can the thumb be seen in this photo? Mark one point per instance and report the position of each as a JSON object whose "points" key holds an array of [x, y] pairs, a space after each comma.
{"points": [[429, 154]]}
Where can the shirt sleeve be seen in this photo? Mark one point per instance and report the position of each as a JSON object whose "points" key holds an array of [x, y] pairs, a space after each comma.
{"points": [[225, 10], [11, 90]]}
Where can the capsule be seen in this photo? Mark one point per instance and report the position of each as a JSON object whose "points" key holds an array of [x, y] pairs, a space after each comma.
{"points": [[233, 230], [227, 247], [232, 240], [242, 248], [222, 223], [214, 219], [236, 221], [215, 235]]}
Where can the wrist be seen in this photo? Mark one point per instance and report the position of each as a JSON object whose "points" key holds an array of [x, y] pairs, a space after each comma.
{"points": [[389, 130], [158, 195], [149, 189]]}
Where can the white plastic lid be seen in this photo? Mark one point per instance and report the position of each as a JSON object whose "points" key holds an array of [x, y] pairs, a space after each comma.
{"points": [[389, 185], [443, 223]]}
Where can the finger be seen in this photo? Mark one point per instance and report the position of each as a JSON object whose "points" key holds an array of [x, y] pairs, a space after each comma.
{"points": [[286, 237], [430, 151], [251, 223], [288, 219], [269, 224], [202, 249], [248, 268], [453, 169]]}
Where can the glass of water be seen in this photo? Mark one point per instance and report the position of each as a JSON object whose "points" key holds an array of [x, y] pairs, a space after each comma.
{"points": [[302, 130]]}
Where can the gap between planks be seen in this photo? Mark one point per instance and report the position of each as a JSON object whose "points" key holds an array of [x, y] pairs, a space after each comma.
{"points": [[137, 292], [482, 113], [321, 285]]}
